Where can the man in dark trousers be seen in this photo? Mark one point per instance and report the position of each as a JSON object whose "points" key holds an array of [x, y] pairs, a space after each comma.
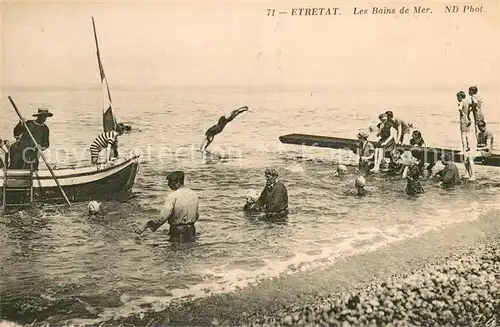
{"points": [[27, 149], [180, 210]]}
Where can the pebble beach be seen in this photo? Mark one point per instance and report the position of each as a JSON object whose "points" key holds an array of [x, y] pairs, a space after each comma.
{"points": [[463, 290]]}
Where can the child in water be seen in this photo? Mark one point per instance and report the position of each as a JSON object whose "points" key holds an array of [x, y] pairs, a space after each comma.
{"points": [[413, 185]]}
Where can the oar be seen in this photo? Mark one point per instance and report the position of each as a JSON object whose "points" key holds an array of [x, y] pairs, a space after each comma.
{"points": [[40, 151]]}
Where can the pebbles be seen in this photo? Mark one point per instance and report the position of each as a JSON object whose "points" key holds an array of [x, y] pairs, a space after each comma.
{"points": [[463, 290]]}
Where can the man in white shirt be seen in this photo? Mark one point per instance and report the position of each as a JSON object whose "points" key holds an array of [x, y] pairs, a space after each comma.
{"points": [[180, 210]]}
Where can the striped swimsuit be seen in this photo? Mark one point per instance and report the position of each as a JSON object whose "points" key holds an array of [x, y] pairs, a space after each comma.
{"points": [[101, 142]]}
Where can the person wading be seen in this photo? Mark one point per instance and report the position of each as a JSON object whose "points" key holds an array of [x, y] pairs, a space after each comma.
{"points": [[26, 154], [219, 127], [366, 152], [274, 197], [180, 210], [108, 141], [449, 175]]}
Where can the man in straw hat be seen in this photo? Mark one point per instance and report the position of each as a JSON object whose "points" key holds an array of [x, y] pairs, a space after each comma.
{"points": [[40, 133]]}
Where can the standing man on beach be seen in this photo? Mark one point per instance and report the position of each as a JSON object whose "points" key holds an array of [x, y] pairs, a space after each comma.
{"points": [[28, 150], [180, 210], [219, 127]]}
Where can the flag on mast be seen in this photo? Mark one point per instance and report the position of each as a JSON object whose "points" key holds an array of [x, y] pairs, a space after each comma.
{"points": [[108, 120]]}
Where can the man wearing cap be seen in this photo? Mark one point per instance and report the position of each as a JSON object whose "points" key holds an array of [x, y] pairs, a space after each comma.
{"points": [[40, 133], [180, 210], [366, 152], [274, 197]]}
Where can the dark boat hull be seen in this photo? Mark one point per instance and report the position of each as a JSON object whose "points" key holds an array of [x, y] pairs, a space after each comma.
{"points": [[88, 183], [428, 154]]}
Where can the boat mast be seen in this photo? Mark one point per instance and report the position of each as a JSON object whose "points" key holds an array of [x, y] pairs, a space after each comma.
{"points": [[109, 119]]}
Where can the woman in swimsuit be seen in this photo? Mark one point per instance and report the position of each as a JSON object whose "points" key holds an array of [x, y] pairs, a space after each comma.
{"points": [[219, 127]]}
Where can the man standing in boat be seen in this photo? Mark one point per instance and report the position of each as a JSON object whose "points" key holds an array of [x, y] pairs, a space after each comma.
{"points": [[108, 141], [180, 210], [483, 149], [475, 106], [403, 130], [219, 127], [463, 110], [27, 150]]}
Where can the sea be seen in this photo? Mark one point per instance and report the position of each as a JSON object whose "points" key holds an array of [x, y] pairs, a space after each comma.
{"points": [[63, 267]]}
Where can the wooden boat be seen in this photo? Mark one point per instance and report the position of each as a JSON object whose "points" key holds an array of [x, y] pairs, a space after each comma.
{"points": [[79, 184], [21, 186], [428, 154]]}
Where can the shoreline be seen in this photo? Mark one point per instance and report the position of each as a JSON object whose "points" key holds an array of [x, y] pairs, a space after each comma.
{"points": [[277, 296]]}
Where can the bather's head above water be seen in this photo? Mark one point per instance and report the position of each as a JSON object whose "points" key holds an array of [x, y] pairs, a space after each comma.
{"points": [[341, 169]]}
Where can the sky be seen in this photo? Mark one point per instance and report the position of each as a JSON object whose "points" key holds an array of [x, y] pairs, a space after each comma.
{"points": [[210, 43]]}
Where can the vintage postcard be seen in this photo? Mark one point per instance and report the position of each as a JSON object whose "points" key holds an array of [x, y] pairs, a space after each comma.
{"points": [[217, 163]]}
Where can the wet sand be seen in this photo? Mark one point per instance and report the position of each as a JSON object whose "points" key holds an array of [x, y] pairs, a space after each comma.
{"points": [[274, 299]]}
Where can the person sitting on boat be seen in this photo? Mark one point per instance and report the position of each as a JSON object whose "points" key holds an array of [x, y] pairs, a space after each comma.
{"points": [[26, 154], [274, 197], [449, 175], [385, 143], [180, 211], [108, 141], [463, 110], [417, 139], [476, 107], [366, 152], [403, 129], [483, 149], [219, 127]]}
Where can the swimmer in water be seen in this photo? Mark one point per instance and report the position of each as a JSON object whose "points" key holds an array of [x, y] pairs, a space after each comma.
{"points": [[360, 186], [219, 127]]}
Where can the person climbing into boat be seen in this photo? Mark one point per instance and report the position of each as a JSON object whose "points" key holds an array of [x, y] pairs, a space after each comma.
{"points": [[108, 141], [476, 107], [219, 127], [463, 110], [483, 149], [449, 175], [403, 129], [180, 210], [366, 152], [385, 143], [417, 140], [26, 154]]}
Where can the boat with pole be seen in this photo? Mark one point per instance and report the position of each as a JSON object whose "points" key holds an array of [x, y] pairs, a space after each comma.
{"points": [[23, 187]]}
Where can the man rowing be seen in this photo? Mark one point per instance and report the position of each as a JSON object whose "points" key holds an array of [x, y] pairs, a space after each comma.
{"points": [[26, 153], [403, 130], [108, 141], [385, 143], [483, 149], [219, 127]]}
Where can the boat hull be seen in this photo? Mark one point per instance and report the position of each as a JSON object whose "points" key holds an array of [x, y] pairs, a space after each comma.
{"points": [[428, 154], [79, 184]]}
